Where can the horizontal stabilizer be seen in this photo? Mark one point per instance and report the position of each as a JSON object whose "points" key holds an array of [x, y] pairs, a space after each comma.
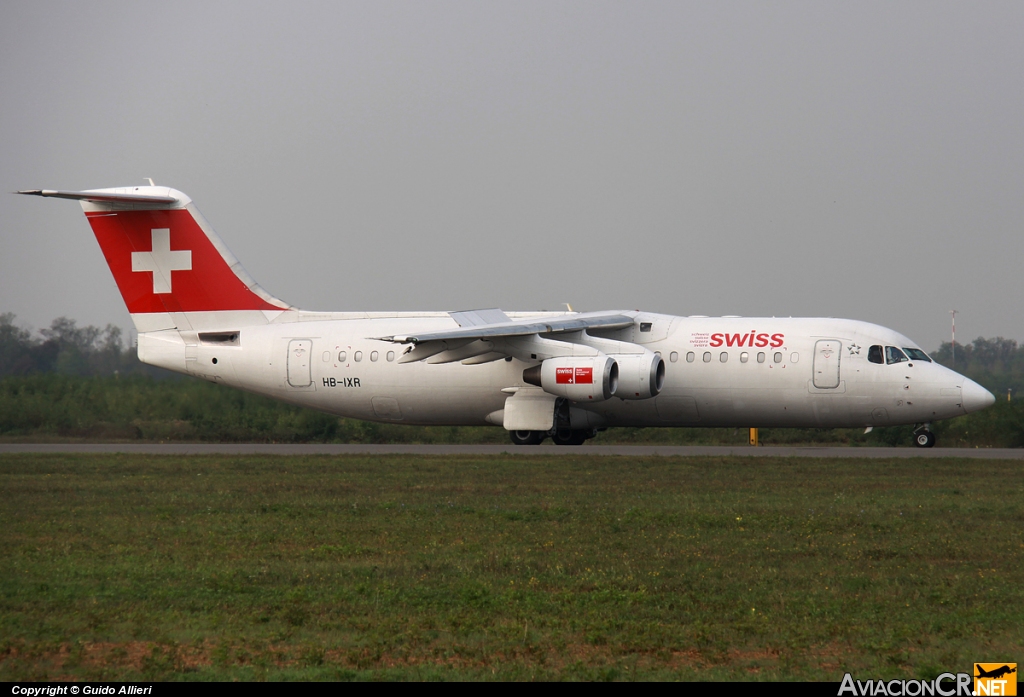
{"points": [[100, 196]]}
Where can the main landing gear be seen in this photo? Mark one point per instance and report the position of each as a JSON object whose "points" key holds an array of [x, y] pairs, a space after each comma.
{"points": [[562, 436], [527, 437], [923, 437], [567, 437]]}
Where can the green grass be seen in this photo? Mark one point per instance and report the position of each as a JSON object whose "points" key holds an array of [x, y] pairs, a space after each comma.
{"points": [[140, 567]]}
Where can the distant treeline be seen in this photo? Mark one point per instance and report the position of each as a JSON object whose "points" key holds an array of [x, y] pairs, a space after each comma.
{"points": [[997, 363], [67, 349], [71, 382]]}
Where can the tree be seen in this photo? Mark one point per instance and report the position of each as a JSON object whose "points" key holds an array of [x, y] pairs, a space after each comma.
{"points": [[997, 364], [64, 347]]}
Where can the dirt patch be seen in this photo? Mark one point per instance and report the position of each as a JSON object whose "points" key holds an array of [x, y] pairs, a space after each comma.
{"points": [[71, 661]]}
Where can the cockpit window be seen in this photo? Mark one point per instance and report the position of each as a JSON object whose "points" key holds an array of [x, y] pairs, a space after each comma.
{"points": [[916, 354], [894, 355], [875, 354]]}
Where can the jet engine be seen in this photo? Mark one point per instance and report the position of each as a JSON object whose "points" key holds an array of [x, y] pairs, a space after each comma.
{"points": [[641, 375], [581, 379]]}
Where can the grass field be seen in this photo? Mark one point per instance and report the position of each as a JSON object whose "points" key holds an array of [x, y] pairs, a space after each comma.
{"points": [[140, 567]]}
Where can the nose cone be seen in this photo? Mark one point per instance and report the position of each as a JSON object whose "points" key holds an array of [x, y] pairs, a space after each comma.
{"points": [[976, 397]]}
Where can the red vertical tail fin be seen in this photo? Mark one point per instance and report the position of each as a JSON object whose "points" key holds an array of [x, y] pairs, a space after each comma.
{"points": [[165, 257]]}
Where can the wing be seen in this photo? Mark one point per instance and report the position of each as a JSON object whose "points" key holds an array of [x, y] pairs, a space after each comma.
{"points": [[485, 335]]}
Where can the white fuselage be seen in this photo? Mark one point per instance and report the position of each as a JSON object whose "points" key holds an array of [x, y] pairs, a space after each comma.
{"points": [[563, 375], [817, 373]]}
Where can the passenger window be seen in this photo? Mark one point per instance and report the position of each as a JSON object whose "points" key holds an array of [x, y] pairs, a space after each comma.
{"points": [[917, 355], [707, 356], [744, 357], [778, 357], [690, 356], [724, 356], [342, 357], [760, 356], [674, 356], [374, 356], [894, 355], [875, 354], [391, 356], [794, 357], [359, 356], [327, 356]]}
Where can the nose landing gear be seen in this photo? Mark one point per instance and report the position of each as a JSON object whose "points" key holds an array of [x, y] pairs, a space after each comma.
{"points": [[923, 437]]}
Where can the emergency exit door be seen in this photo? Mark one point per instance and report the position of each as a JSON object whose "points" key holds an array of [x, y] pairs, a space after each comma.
{"points": [[299, 351], [826, 363]]}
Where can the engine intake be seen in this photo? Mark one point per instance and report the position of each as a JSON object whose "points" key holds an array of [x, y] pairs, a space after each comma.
{"points": [[641, 375], [582, 379]]}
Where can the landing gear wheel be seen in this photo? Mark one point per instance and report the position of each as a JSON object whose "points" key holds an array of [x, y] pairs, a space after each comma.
{"points": [[924, 439], [527, 437], [565, 437]]}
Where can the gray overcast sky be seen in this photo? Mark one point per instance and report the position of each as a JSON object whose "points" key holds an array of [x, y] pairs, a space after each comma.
{"points": [[860, 160]]}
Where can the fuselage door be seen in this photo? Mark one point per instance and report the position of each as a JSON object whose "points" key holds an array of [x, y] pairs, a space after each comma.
{"points": [[826, 363], [299, 351]]}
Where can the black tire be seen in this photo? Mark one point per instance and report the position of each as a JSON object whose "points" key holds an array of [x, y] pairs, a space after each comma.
{"points": [[924, 439], [569, 437], [527, 437]]}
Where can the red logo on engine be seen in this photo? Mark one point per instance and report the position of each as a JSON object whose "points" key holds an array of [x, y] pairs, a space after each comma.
{"points": [[564, 376], [574, 376]]}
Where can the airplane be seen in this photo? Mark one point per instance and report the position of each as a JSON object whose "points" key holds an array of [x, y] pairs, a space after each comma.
{"points": [[563, 375]]}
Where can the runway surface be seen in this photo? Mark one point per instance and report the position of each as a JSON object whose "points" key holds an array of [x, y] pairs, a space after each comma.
{"points": [[621, 450]]}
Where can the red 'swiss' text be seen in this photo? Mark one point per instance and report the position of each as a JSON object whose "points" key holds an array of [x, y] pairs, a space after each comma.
{"points": [[751, 339]]}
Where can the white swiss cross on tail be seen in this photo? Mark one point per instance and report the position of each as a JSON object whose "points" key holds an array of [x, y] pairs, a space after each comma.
{"points": [[162, 261]]}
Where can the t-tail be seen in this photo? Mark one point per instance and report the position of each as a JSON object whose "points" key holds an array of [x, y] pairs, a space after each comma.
{"points": [[186, 292], [172, 269]]}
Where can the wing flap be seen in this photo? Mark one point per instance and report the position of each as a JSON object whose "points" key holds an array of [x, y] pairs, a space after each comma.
{"points": [[426, 349], [470, 350], [485, 358]]}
